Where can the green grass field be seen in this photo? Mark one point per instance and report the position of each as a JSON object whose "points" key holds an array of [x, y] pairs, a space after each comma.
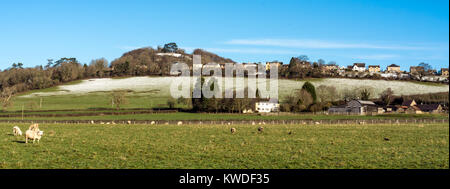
{"points": [[169, 146], [217, 117]]}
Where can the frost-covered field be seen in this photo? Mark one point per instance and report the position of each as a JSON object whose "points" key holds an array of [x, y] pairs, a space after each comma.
{"points": [[161, 86]]}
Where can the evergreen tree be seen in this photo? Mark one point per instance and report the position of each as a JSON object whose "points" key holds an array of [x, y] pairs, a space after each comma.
{"points": [[309, 87]]}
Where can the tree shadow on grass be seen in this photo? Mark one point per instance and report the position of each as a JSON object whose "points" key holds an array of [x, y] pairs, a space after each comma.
{"points": [[18, 141]]}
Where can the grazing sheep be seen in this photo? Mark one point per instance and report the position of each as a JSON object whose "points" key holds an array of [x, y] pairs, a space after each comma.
{"points": [[17, 131], [233, 130], [180, 123], [260, 129], [253, 123], [229, 123], [33, 135], [129, 122], [317, 123], [34, 127], [92, 122], [153, 122]]}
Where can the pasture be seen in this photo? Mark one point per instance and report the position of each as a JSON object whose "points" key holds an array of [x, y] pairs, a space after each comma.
{"points": [[408, 146], [187, 116]]}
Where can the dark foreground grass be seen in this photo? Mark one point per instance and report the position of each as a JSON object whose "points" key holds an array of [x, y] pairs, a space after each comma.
{"points": [[170, 146]]}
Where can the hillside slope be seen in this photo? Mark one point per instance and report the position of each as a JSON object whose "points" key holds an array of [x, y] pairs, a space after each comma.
{"points": [[145, 92]]}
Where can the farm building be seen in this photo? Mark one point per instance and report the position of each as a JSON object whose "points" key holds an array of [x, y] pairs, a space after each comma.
{"points": [[267, 107], [413, 110], [409, 103], [355, 107], [430, 108]]}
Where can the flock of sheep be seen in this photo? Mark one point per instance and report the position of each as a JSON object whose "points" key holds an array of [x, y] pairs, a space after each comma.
{"points": [[33, 132]]}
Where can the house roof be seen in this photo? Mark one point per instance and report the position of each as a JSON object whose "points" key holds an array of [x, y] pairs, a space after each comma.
{"points": [[359, 64], [365, 102], [393, 65], [428, 107], [407, 103], [374, 66], [444, 69], [417, 68], [415, 108]]}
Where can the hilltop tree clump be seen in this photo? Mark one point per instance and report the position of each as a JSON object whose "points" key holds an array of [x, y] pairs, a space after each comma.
{"points": [[170, 48]]}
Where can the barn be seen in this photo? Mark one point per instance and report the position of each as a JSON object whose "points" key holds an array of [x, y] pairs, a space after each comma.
{"points": [[360, 107]]}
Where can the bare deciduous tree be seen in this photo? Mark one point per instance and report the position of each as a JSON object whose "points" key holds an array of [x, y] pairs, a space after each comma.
{"points": [[119, 99]]}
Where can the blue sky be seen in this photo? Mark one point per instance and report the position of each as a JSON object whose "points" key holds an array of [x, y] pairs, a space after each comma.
{"points": [[377, 32]]}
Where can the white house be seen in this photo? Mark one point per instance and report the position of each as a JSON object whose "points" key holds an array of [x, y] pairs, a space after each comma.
{"points": [[267, 107], [359, 67]]}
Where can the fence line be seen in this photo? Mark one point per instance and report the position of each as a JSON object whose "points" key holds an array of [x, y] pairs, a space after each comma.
{"points": [[238, 122]]}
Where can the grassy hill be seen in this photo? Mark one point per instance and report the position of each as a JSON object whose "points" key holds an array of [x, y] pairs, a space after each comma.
{"points": [[153, 92]]}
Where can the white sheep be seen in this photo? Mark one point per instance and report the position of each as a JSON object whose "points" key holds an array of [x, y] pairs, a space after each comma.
{"points": [[260, 129], [180, 123], [17, 131], [233, 130], [153, 122], [33, 135]]}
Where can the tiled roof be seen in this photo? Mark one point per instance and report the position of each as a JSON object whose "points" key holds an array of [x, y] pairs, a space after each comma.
{"points": [[393, 65], [428, 107]]}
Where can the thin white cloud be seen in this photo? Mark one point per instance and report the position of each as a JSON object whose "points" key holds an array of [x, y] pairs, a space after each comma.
{"points": [[244, 50], [318, 44]]}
